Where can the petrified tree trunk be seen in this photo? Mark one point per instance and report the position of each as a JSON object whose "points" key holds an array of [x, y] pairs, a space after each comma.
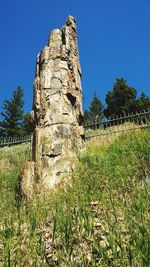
{"points": [[57, 110]]}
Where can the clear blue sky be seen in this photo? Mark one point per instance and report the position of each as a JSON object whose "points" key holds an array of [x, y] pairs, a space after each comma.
{"points": [[113, 36]]}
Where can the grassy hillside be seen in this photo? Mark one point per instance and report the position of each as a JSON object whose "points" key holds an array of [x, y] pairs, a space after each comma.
{"points": [[101, 218]]}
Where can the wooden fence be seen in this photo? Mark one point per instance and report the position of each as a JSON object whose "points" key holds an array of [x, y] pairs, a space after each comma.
{"points": [[9, 141], [112, 125]]}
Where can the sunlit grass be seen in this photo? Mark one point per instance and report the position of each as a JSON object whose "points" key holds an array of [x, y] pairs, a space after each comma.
{"points": [[101, 218]]}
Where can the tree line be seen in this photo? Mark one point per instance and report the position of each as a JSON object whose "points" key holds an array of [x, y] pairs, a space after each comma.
{"points": [[121, 100]]}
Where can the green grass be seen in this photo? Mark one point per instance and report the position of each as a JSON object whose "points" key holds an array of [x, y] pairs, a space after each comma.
{"points": [[101, 218]]}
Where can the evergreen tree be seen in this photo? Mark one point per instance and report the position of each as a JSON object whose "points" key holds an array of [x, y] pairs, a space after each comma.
{"points": [[86, 117], [13, 114], [26, 126], [1, 131], [143, 103], [121, 100], [95, 111]]}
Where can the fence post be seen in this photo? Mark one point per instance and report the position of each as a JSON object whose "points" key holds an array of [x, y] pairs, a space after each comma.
{"points": [[31, 141]]}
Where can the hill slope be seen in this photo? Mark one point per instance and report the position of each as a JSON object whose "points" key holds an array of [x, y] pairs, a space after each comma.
{"points": [[101, 218]]}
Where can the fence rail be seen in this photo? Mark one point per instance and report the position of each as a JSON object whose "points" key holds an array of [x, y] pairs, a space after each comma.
{"points": [[9, 141], [97, 128], [118, 124]]}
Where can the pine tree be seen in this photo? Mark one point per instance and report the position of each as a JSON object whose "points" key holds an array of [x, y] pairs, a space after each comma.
{"points": [[95, 111], [26, 126], [121, 100], [13, 114], [143, 103], [86, 117]]}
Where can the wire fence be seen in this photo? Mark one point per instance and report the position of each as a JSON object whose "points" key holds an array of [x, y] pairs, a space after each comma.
{"points": [[113, 125]]}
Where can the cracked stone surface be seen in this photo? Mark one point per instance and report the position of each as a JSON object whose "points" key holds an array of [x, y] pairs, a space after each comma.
{"points": [[57, 110]]}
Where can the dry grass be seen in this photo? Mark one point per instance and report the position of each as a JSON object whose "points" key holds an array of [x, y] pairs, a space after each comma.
{"points": [[13, 157]]}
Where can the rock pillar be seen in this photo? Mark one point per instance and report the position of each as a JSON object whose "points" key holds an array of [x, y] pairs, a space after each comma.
{"points": [[57, 109]]}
